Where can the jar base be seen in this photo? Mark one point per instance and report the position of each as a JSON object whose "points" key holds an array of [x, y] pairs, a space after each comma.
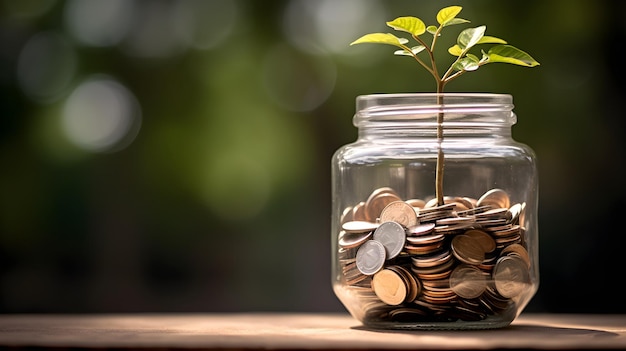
{"points": [[492, 322]]}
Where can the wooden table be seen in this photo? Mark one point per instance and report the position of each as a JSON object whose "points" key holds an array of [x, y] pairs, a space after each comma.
{"points": [[257, 331]]}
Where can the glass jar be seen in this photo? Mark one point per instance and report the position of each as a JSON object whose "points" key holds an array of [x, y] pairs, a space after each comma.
{"points": [[434, 213]]}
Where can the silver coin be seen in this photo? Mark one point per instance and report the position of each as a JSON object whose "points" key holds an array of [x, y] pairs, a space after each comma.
{"points": [[392, 236], [511, 276], [370, 257]]}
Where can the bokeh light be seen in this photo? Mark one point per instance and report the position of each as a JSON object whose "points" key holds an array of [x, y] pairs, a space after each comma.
{"points": [[46, 66], [204, 24], [101, 115], [152, 33], [297, 82], [327, 26], [99, 23]]}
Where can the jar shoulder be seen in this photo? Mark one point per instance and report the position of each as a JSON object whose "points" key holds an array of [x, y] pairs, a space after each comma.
{"points": [[360, 149]]}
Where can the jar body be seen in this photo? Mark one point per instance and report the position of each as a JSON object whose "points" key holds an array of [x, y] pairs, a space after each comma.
{"points": [[407, 257]]}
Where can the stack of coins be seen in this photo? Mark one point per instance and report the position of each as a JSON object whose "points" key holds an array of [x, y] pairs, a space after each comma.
{"points": [[415, 260]]}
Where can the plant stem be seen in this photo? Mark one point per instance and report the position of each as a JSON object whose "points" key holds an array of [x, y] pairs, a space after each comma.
{"points": [[440, 157]]}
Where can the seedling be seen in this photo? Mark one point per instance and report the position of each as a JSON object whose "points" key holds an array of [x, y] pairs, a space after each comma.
{"points": [[465, 61]]}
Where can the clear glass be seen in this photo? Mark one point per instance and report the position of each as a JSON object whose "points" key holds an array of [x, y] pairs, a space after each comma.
{"points": [[469, 263]]}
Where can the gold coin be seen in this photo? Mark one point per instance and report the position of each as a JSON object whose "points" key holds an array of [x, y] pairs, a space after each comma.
{"points": [[389, 287], [399, 212]]}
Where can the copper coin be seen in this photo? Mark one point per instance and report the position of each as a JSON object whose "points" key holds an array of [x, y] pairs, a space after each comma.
{"points": [[467, 249], [400, 212], [468, 281]]}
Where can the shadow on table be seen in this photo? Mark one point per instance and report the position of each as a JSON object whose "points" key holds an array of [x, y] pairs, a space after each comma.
{"points": [[516, 331]]}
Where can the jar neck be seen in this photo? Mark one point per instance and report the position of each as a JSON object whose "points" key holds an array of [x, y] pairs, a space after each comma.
{"points": [[421, 115]]}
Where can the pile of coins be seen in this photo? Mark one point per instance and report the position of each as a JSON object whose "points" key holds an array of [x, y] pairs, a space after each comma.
{"points": [[414, 260]]}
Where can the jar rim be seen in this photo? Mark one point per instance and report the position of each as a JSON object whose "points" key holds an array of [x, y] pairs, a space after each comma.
{"points": [[490, 108]]}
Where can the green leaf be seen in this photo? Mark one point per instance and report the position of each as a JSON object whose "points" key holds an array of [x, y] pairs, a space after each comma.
{"points": [[431, 29], [414, 51], [381, 38], [455, 50], [447, 14], [455, 21], [511, 54], [408, 24], [473, 57], [469, 63], [485, 57], [470, 37], [491, 40]]}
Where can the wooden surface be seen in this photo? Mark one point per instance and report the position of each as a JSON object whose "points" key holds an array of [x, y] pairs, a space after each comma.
{"points": [[297, 331]]}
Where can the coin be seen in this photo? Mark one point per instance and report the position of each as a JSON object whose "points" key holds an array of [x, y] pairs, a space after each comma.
{"points": [[346, 215], [389, 287], [432, 260], [467, 249], [407, 314], [515, 210], [377, 201], [424, 239], [456, 220], [353, 240], [468, 281], [418, 203], [370, 257], [463, 260], [392, 236], [359, 226], [485, 240], [359, 213], [400, 212], [414, 286], [511, 276], [420, 229], [496, 198], [519, 250], [423, 249]]}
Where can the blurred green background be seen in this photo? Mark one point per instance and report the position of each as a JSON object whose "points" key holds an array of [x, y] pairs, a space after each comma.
{"points": [[175, 155]]}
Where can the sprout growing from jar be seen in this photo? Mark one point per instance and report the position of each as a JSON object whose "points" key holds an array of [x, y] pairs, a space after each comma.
{"points": [[465, 61]]}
